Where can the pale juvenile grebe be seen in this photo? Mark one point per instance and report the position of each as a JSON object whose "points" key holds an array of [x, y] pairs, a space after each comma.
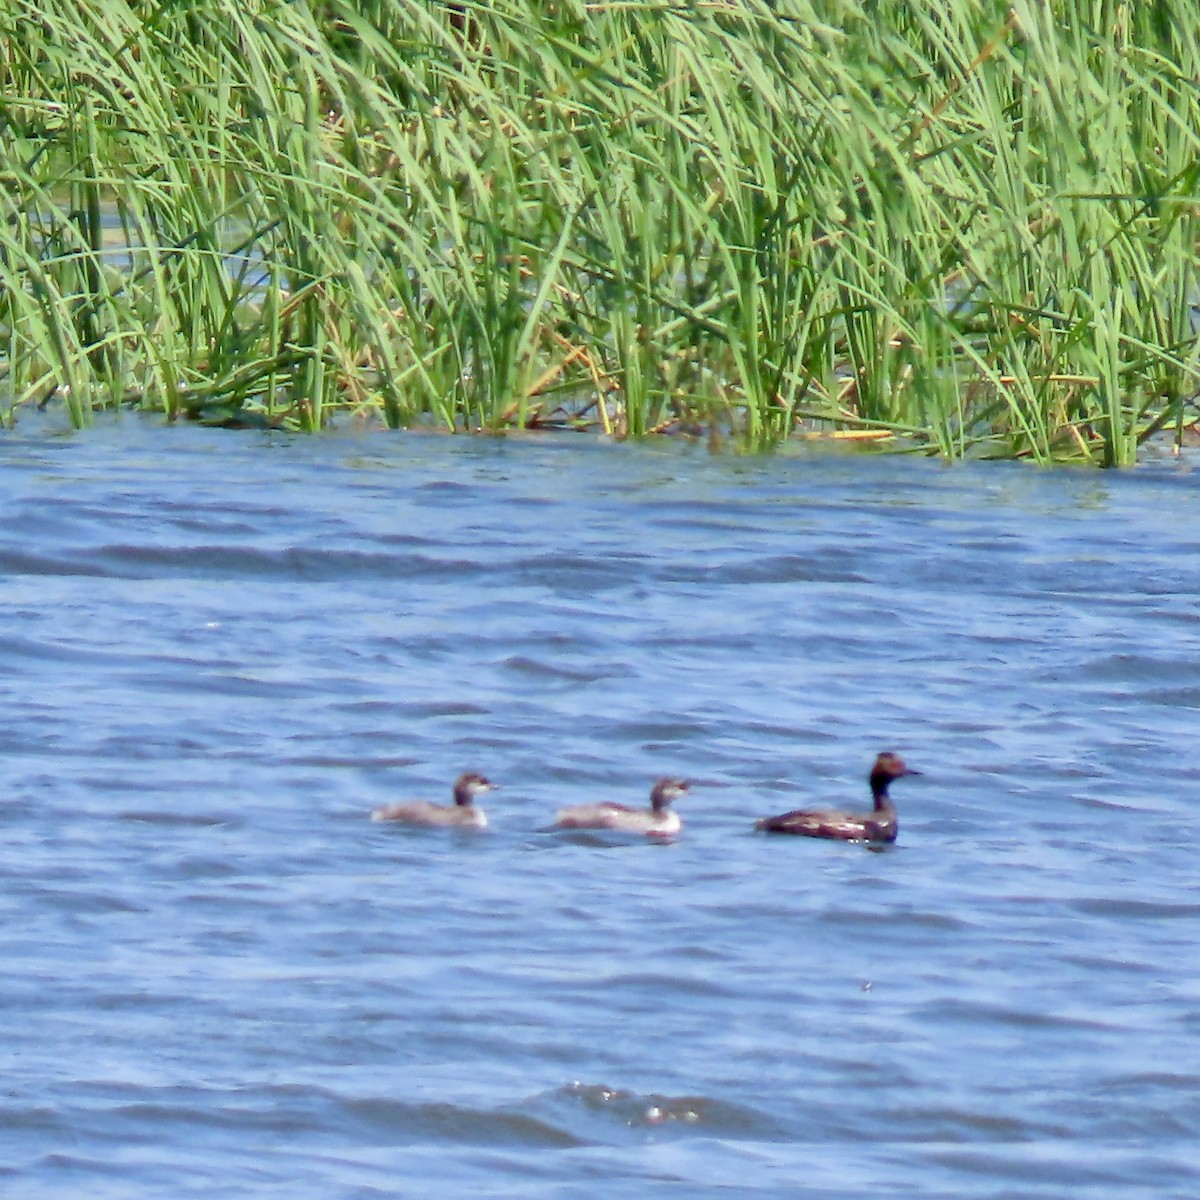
{"points": [[462, 813], [656, 821], [876, 826]]}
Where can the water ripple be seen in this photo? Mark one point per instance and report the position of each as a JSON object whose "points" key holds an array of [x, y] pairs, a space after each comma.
{"points": [[220, 652]]}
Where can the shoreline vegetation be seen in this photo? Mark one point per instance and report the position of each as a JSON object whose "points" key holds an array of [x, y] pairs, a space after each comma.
{"points": [[968, 228]]}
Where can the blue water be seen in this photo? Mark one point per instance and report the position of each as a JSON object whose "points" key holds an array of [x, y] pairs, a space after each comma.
{"points": [[219, 651]]}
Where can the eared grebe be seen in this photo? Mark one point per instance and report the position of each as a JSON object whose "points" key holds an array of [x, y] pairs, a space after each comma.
{"points": [[462, 813], [656, 821], [876, 826]]}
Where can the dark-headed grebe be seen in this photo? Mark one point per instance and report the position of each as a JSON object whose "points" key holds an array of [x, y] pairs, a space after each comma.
{"points": [[462, 813], [656, 821], [876, 826]]}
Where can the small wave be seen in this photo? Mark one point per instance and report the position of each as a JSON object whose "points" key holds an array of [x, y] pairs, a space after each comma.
{"points": [[907, 918], [86, 902], [605, 839], [1102, 906], [660, 984], [950, 1125], [606, 1108], [160, 817], [297, 1109], [976, 1013], [503, 1126], [208, 561], [783, 568], [539, 669]]}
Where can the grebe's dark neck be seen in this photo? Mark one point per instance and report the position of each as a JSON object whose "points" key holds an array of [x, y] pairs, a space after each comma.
{"points": [[663, 792], [879, 789], [463, 795]]}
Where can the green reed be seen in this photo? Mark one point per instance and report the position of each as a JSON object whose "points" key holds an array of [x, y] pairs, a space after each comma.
{"points": [[970, 225]]}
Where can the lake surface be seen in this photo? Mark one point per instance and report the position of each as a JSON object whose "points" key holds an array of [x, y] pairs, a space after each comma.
{"points": [[219, 651]]}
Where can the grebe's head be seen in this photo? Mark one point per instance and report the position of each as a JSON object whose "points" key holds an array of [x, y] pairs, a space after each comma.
{"points": [[889, 766], [666, 790], [469, 785]]}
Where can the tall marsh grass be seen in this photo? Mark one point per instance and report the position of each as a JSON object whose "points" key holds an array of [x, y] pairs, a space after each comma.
{"points": [[972, 224]]}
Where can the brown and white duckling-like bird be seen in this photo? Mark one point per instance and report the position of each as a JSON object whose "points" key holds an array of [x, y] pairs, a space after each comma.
{"points": [[462, 814], [656, 821], [878, 825]]}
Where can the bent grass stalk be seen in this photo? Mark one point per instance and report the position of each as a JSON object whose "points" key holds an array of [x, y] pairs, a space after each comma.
{"points": [[971, 225]]}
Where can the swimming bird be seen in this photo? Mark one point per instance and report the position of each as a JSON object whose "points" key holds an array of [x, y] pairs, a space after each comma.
{"points": [[656, 821], [461, 814], [876, 826]]}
